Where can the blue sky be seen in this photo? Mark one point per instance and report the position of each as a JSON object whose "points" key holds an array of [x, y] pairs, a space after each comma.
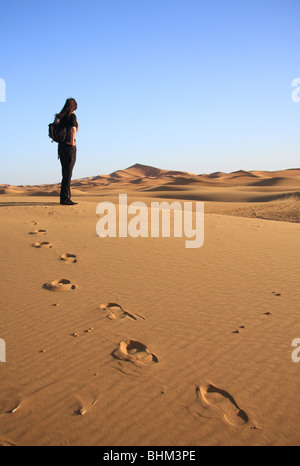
{"points": [[194, 85]]}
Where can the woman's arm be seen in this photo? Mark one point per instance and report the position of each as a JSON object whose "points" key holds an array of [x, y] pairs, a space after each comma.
{"points": [[73, 134]]}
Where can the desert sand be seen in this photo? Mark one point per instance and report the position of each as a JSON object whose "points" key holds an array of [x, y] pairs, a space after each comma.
{"points": [[123, 341]]}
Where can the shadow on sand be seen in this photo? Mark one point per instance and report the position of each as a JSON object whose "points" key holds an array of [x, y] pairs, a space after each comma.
{"points": [[27, 204]]}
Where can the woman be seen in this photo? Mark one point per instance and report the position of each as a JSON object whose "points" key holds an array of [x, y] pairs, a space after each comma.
{"points": [[67, 150]]}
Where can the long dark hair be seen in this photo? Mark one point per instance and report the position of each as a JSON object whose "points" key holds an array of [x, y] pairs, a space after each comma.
{"points": [[69, 107]]}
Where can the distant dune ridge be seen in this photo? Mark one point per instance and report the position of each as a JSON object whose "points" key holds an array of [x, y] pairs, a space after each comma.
{"points": [[259, 187], [148, 176]]}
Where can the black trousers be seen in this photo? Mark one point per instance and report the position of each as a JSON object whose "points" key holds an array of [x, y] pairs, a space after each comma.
{"points": [[67, 156]]}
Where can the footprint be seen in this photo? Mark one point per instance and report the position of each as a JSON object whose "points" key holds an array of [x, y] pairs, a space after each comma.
{"points": [[135, 352], [115, 311], [77, 335], [10, 401], [223, 403], [59, 285], [268, 314], [83, 401], [275, 293], [83, 407], [69, 258], [238, 331], [44, 245], [32, 222], [7, 443], [38, 232]]}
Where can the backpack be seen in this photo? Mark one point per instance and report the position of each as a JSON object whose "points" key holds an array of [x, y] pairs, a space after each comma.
{"points": [[57, 131]]}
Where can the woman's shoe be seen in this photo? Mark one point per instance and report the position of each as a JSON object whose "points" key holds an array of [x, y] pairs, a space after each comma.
{"points": [[69, 202]]}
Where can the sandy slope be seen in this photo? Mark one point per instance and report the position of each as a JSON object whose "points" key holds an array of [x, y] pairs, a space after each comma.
{"points": [[210, 384]]}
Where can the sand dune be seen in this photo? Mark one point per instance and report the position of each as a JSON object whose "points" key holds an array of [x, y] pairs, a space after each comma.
{"points": [[240, 186], [127, 341]]}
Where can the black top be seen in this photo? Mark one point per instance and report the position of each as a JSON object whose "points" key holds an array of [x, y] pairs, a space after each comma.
{"points": [[69, 123]]}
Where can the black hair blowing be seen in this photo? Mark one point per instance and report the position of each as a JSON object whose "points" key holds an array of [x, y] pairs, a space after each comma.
{"points": [[69, 107]]}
